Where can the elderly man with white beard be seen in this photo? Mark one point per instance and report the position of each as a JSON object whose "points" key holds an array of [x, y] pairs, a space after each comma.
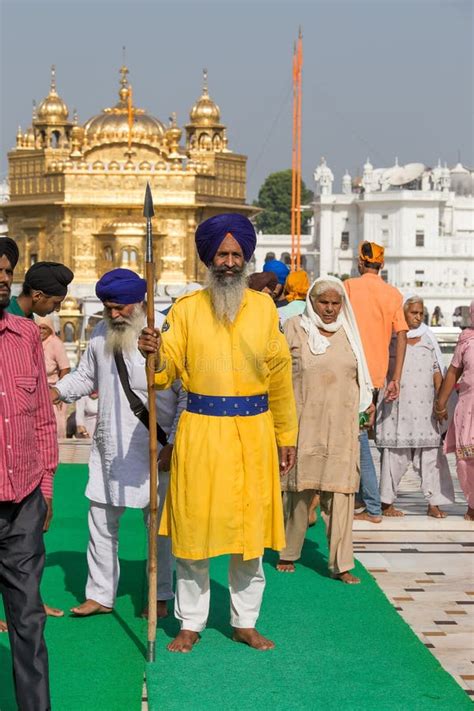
{"points": [[119, 460], [239, 429]]}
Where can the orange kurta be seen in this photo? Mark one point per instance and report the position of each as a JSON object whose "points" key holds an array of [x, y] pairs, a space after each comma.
{"points": [[378, 308]]}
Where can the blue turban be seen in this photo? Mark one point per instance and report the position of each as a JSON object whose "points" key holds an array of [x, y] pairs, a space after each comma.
{"points": [[278, 268], [211, 232], [121, 286]]}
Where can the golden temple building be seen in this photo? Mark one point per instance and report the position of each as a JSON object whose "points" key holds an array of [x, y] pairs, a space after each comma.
{"points": [[77, 191]]}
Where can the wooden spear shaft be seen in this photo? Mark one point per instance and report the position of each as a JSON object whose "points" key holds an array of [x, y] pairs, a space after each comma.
{"points": [[153, 443]]}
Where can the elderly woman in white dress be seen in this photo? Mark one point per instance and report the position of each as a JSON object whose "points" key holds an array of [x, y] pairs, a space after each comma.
{"points": [[407, 432], [332, 389]]}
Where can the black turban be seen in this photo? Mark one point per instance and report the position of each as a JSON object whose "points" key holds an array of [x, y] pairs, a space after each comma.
{"points": [[9, 249], [49, 277]]}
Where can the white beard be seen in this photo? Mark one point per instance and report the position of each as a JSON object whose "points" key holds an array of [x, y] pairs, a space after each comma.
{"points": [[124, 338], [227, 293]]}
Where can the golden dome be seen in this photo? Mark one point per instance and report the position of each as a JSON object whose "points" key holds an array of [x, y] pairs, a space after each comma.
{"points": [[113, 125], [205, 111], [52, 109]]}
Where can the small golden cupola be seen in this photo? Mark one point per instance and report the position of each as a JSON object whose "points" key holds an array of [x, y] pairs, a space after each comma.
{"points": [[173, 137], [50, 119], [205, 133]]}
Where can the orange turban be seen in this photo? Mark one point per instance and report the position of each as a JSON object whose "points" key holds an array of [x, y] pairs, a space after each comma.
{"points": [[296, 286], [371, 252]]}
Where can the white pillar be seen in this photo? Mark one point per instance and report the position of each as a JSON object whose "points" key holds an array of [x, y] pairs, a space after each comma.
{"points": [[326, 259]]}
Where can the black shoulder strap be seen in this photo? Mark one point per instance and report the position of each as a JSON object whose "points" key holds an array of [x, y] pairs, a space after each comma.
{"points": [[136, 405]]}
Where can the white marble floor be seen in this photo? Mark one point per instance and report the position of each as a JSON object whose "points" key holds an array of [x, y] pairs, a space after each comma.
{"points": [[424, 566]]}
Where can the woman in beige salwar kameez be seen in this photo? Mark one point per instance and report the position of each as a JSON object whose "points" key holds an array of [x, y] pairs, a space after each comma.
{"points": [[332, 386]]}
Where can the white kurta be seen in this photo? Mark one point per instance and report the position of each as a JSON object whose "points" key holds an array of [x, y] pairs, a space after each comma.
{"points": [[119, 462]]}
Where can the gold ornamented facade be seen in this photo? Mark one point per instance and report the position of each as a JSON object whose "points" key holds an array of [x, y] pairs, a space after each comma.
{"points": [[76, 191]]}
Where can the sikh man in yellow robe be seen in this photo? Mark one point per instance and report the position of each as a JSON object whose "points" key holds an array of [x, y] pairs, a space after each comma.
{"points": [[237, 434]]}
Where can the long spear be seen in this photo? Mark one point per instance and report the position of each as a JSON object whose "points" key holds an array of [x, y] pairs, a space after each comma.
{"points": [[148, 212]]}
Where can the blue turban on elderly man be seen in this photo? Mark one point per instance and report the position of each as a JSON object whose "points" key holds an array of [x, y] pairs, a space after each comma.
{"points": [[211, 232], [121, 286]]}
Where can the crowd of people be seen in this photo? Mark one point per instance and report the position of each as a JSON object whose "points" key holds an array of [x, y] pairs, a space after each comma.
{"points": [[268, 388]]}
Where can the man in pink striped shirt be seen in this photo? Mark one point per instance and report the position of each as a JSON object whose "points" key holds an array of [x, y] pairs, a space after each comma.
{"points": [[28, 459]]}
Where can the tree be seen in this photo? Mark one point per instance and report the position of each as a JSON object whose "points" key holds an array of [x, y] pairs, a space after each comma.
{"points": [[275, 198]]}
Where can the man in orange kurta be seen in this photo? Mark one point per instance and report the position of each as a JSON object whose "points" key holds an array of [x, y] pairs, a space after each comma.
{"points": [[378, 308], [225, 344]]}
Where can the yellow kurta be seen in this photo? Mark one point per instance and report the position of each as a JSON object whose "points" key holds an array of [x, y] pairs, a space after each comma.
{"points": [[224, 494]]}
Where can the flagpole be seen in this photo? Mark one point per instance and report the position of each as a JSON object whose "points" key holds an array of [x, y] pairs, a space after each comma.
{"points": [[298, 155], [293, 166], [148, 212]]}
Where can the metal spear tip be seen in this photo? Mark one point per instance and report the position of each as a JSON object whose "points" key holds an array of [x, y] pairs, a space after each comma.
{"points": [[148, 210]]}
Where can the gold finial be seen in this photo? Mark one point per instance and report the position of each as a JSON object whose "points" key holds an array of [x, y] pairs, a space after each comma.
{"points": [[34, 114], [205, 89], [124, 85], [53, 79], [172, 120], [75, 118]]}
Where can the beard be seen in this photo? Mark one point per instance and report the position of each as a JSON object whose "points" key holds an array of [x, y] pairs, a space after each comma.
{"points": [[226, 291], [122, 334]]}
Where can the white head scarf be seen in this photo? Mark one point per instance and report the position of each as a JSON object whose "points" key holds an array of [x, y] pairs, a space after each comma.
{"points": [[318, 344], [424, 330]]}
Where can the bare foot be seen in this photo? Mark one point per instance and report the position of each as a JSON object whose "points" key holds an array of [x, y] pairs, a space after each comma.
{"points": [[391, 511], [161, 610], [436, 512], [53, 611], [183, 642], [365, 516], [3, 626], [250, 636], [469, 515], [90, 607], [285, 566], [347, 578]]}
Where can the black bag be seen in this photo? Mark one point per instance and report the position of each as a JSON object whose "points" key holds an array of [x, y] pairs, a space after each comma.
{"points": [[136, 405]]}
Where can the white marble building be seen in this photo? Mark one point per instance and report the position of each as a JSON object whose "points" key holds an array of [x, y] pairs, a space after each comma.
{"points": [[424, 217], [280, 246]]}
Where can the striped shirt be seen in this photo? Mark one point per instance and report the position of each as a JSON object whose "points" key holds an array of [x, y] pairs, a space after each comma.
{"points": [[28, 444]]}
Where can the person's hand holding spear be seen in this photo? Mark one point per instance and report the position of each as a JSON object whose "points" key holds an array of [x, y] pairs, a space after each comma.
{"points": [[148, 212]]}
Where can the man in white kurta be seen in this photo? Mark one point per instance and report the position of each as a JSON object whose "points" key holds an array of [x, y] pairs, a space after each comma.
{"points": [[119, 461]]}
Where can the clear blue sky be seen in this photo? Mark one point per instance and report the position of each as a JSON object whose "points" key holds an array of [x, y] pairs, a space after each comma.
{"points": [[382, 78]]}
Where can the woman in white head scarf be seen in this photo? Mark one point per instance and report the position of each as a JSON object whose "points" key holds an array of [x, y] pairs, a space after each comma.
{"points": [[407, 431], [333, 392]]}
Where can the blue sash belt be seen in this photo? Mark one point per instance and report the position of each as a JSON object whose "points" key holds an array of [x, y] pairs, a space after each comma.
{"points": [[227, 406]]}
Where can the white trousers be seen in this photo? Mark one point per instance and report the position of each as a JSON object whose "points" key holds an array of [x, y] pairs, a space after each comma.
{"points": [[246, 586], [102, 551], [429, 463]]}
